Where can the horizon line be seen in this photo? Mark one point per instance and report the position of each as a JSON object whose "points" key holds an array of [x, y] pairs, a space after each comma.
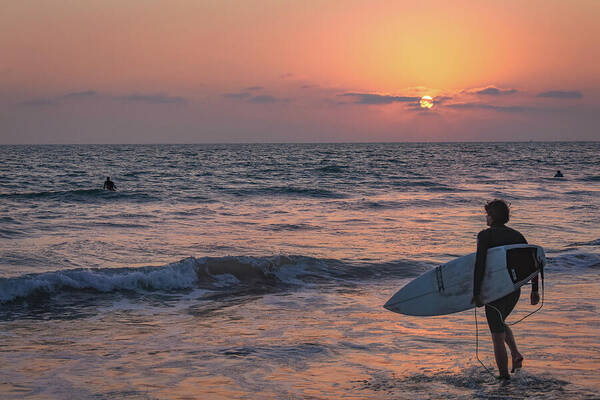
{"points": [[307, 142]]}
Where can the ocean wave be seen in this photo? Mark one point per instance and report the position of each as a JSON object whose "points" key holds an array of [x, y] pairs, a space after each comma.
{"points": [[10, 233], [289, 227], [581, 192], [333, 169], [376, 204], [80, 195], [232, 274], [170, 277], [590, 243], [573, 260], [417, 183], [363, 204], [425, 185], [593, 178], [212, 273], [291, 191], [582, 207]]}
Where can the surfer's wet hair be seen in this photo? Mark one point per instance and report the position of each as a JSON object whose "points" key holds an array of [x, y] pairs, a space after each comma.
{"points": [[498, 210]]}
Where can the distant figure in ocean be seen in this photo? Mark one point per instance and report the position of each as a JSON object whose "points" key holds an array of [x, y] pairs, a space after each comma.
{"points": [[558, 174], [109, 185], [496, 312]]}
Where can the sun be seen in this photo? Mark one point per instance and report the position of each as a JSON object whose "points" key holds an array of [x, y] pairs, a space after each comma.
{"points": [[426, 102]]}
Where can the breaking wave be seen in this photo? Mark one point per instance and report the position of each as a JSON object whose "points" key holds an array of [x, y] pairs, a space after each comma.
{"points": [[234, 273], [213, 273]]}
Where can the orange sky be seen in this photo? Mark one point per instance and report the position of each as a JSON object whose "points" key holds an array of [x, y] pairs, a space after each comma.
{"points": [[71, 71]]}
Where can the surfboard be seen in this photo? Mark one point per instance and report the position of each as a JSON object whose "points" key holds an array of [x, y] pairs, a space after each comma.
{"points": [[448, 288]]}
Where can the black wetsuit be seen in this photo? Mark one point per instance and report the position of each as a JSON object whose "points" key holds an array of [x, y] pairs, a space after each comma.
{"points": [[110, 185], [496, 235]]}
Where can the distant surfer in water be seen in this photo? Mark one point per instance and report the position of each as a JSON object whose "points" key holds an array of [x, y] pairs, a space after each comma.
{"points": [[497, 214], [558, 174], [109, 185]]}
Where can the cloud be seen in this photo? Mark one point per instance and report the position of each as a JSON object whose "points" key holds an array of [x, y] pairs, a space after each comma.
{"points": [[562, 94], [266, 99], [423, 112], [288, 75], [238, 95], [369, 98], [441, 99], [244, 93], [492, 91], [416, 108], [258, 99], [52, 101], [86, 93], [156, 98], [482, 106]]}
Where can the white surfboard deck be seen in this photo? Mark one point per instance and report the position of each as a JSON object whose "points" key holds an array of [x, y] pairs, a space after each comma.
{"points": [[448, 288]]}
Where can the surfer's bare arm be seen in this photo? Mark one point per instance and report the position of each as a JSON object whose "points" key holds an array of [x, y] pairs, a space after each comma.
{"points": [[482, 247], [535, 294]]}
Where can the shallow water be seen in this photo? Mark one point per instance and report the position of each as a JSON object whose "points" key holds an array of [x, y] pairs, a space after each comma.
{"points": [[330, 342], [294, 250]]}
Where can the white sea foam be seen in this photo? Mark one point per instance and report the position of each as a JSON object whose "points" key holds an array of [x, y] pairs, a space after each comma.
{"points": [[218, 273], [180, 275]]}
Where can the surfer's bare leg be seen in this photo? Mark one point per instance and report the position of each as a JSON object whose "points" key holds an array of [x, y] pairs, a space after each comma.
{"points": [[517, 358], [500, 353]]}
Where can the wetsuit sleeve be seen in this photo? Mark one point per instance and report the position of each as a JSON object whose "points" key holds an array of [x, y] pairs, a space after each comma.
{"points": [[523, 240], [480, 258]]}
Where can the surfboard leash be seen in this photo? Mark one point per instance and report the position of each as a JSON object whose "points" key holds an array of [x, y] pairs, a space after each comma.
{"points": [[502, 319], [526, 316], [477, 345]]}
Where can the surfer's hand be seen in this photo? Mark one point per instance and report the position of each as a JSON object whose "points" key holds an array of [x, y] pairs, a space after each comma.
{"points": [[477, 300], [535, 297]]}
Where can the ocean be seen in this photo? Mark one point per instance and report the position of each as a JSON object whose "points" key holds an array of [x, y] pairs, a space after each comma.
{"points": [[259, 271]]}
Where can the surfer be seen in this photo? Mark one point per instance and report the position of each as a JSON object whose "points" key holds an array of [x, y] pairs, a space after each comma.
{"points": [[558, 174], [497, 215], [109, 185]]}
